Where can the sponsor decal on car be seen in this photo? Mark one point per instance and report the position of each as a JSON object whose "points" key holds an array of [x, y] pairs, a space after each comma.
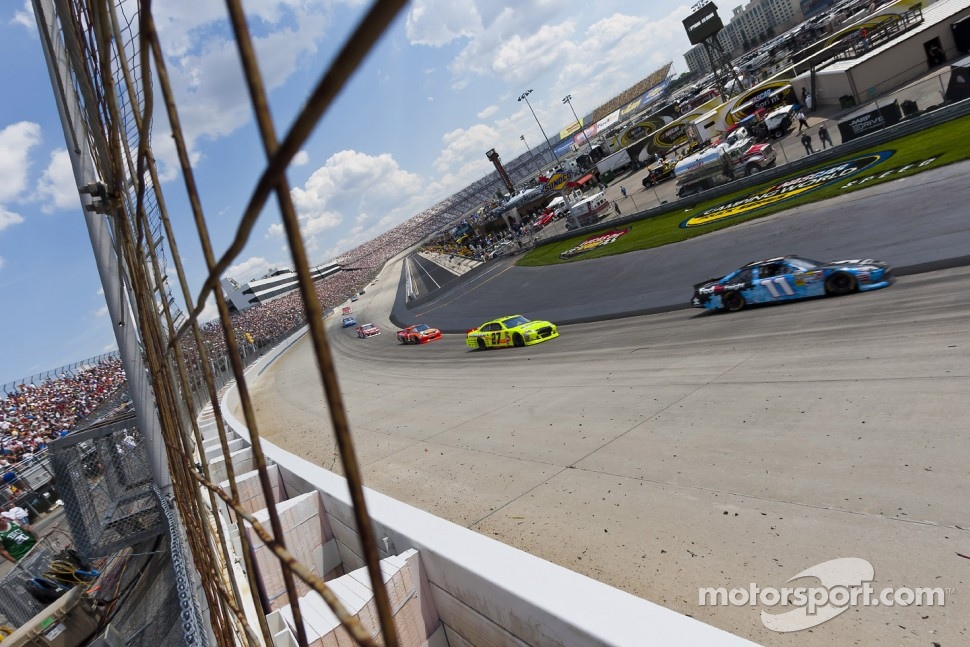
{"points": [[592, 243], [787, 189]]}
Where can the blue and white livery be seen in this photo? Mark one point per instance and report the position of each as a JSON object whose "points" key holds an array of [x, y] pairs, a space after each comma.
{"points": [[788, 278]]}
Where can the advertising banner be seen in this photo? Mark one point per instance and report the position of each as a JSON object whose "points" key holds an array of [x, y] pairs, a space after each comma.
{"points": [[870, 122]]}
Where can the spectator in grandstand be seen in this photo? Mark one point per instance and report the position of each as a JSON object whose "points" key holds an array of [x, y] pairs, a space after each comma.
{"points": [[16, 540]]}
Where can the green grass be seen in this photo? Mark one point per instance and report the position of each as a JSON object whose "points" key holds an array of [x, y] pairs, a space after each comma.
{"points": [[947, 141]]}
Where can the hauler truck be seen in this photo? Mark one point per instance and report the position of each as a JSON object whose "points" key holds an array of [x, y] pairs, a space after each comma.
{"points": [[720, 164], [618, 160]]}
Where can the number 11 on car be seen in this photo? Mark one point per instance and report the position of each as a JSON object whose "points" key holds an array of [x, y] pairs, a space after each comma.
{"points": [[772, 285]]}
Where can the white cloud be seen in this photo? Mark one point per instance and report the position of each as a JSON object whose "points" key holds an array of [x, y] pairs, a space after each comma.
{"points": [[101, 312], [487, 112], [204, 63], [300, 159], [353, 186], [8, 218], [16, 142], [436, 23], [253, 267], [25, 17], [3, 262], [57, 187]]}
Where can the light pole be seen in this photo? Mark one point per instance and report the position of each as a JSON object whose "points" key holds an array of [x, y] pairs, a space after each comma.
{"points": [[532, 159], [568, 99], [525, 97]]}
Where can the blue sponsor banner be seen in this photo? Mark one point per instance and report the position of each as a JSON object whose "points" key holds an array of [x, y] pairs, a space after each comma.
{"points": [[563, 147]]}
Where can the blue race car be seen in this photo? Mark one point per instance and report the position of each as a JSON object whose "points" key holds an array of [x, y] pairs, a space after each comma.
{"points": [[348, 322], [788, 278]]}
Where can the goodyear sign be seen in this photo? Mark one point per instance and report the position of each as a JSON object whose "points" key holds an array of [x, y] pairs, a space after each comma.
{"points": [[787, 190]]}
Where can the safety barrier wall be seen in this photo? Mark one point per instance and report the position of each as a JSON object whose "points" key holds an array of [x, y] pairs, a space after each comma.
{"points": [[480, 587]]}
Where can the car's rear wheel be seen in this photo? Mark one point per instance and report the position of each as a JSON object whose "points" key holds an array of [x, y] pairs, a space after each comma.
{"points": [[733, 301], [481, 344], [840, 283], [517, 340]]}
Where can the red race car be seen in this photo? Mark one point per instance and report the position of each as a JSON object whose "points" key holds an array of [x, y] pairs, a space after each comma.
{"points": [[368, 330], [418, 334]]}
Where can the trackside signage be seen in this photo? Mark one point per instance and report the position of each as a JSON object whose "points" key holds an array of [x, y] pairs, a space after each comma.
{"points": [[787, 190], [592, 243]]}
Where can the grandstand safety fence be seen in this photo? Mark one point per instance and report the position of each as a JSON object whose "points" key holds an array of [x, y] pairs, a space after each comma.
{"points": [[11, 388], [103, 478], [109, 73]]}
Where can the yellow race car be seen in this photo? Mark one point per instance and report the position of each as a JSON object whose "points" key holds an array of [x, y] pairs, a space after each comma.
{"points": [[510, 331]]}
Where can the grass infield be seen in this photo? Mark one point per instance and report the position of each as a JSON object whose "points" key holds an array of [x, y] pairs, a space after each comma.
{"points": [[946, 141]]}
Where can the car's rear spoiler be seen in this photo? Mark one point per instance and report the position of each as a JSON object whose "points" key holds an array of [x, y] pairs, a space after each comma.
{"points": [[697, 286]]}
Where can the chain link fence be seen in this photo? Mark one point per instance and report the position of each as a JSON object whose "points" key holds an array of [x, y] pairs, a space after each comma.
{"points": [[103, 477]]}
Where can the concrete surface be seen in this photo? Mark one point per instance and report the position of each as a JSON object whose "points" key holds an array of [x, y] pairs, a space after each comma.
{"points": [[665, 453]]}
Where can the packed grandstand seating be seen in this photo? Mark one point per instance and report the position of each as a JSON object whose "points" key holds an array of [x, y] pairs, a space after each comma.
{"points": [[32, 415]]}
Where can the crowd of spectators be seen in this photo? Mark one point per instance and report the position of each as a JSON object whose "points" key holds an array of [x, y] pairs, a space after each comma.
{"points": [[266, 323], [32, 415]]}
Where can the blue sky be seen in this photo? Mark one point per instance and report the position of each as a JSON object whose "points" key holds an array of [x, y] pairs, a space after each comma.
{"points": [[411, 129]]}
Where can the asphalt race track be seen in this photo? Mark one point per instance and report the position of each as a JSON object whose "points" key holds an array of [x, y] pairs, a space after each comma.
{"points": [[680, 450], [428, 276], [915, 220]]}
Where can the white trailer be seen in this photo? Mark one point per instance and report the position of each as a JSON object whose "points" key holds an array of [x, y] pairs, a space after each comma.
{"points": [[618, 160]]}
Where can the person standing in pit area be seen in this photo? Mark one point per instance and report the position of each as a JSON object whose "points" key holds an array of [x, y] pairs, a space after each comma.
{"points": [[824, 138], [807, 143], [16, 541]]}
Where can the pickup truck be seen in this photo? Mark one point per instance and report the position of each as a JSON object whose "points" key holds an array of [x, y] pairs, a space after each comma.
{"points": [[658, 173], [721, 164], [779, 121]]}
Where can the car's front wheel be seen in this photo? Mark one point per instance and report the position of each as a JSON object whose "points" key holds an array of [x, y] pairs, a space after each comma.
{"points": [[517, 340], [839, 284], [733, 301], [481, 344]]}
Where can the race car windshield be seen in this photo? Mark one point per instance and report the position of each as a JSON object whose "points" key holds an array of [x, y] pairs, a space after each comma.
{"points": [[420, 327], [803, 263], [512, 322]]}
